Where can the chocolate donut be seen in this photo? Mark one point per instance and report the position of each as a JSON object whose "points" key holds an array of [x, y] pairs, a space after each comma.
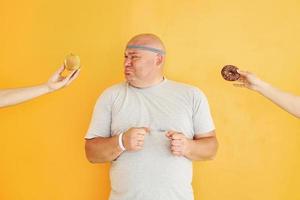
{"points": [[229, 73]]}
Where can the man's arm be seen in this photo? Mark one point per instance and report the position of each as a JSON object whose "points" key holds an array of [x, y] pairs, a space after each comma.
{"points": [[201, 147], [286, 101], [18, 95], [102, 149]]}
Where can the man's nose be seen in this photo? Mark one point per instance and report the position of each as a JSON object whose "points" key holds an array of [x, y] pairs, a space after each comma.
{"points": [[127, 62]]}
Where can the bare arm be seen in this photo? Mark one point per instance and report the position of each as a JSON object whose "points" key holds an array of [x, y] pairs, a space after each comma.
{"points": [[10, 97], [285, 100], [202, 147], [18, 95], [101, 149]]}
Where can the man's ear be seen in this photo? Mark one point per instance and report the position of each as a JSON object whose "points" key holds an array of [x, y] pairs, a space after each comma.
{"points": [[159, 59]]}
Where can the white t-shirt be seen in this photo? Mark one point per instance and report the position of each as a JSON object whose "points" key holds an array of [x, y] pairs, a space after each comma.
{"points": [[152, 173]]}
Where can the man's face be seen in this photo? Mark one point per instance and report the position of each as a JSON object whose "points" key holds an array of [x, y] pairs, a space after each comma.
{"points": [[139, 64]]}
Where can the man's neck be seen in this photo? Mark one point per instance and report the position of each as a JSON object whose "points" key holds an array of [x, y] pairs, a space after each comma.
{"points": [[146, 84]]}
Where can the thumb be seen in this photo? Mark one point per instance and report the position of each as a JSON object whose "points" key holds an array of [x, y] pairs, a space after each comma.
{"points": [[243, 73], [169, 134], [146, 129], [55, 76]]}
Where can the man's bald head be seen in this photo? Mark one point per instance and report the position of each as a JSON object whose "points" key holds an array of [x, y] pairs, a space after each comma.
{"points": [[147, 40], [144, 60]]}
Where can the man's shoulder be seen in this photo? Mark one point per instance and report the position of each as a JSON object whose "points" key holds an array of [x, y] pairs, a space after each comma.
{"points": [[113, 90], [116, 87], [184, 86]]}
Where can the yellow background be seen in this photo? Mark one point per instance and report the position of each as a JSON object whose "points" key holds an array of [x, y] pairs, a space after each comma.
{"points": [[42, 147]]}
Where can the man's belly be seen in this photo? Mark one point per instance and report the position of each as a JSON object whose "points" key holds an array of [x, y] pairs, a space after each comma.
{"points": [[151, 171]]}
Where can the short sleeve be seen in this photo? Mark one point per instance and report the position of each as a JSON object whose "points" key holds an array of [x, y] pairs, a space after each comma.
{"points": [[202, 119], [100, 124]]}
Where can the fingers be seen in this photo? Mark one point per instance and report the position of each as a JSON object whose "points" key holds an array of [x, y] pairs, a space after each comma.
{"points": [[178, 143], [243, 80], [146, 129], [239, 85], [73, 76], [176, 148], [136, 145], [170, 134], [140, 136], [135, 138], [57, 73], [177, 153], [243, 73], [174, 135], [142, 131], [140, 143], [60, 69], [246, 76]]}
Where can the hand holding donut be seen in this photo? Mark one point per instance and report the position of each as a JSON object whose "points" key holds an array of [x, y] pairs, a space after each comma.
{"points": [[179, 144], [249, 80], [133, 138], [245, 79]]}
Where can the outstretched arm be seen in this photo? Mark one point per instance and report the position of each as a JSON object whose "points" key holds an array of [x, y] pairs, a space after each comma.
{"points": [[18, 95], [287, 101]]}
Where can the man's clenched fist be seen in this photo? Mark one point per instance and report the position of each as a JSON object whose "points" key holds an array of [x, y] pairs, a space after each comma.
{"points": [[133, 138], [179, 144]]}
